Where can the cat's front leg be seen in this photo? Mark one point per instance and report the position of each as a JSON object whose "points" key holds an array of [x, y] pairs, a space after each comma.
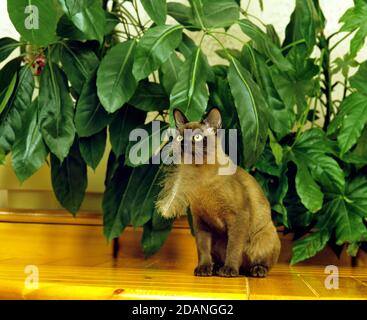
{"points": [[204, 246], [237, 235]]}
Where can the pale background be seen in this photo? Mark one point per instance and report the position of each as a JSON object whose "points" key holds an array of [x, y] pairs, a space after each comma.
{"points": [[36, 192]]}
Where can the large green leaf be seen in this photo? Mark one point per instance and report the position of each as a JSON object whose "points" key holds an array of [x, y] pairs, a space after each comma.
{"points": [[156, 9], [92, 148], [114, 219], [156, 232], [90, 116], [29, 151], [190, 93], [252, 111], [358, 81], [7, 92], [304, 24], [181, 13], [127, 199], [154, 49], [282, 119], [150, 96], [214, 14], [126, 120], [355, 19], [11, 119], [79, 62], [313, 149], [7, 46], [169, 74], [88, 16], [8, 81], [141, 151], [2, 157], [296, 85], [56, 111], [69, 179], [35, 20], [264, 44], [115, 81], [353, 117]]}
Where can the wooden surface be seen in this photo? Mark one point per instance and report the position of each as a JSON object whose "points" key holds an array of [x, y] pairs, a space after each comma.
{"points": [[74, 262]]}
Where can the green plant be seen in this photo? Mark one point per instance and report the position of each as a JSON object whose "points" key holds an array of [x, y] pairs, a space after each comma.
{"points": [[95, 66]]}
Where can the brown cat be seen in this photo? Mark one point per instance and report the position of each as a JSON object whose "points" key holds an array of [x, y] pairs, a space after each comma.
{"points": [[231, 215]]}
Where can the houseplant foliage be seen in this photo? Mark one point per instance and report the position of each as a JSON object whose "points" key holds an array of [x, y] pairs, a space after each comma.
{"points": [[92, 70]]}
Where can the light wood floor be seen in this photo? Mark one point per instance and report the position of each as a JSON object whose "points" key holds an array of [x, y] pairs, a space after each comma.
{"points": [[74, 262]]}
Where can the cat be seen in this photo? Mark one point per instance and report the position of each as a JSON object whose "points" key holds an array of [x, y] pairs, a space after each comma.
{"points": [[232, 222]]}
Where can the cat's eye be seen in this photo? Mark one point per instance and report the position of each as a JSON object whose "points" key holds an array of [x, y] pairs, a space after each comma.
{"points": [[198, 137], [179, 138]]}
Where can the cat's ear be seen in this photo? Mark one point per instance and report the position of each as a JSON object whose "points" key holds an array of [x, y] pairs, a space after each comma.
{"points": [[214, 119], [180, 118]]}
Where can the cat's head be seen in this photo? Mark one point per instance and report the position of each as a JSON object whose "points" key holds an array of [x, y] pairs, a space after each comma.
{"points": [[198, 140]]}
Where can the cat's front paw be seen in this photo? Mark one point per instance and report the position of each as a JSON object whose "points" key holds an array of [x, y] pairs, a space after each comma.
{"points": [[228, 271], [205, 270], [259, 271]]}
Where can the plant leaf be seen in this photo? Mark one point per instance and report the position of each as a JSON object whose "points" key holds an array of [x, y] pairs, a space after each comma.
{"points": [[150, 96], [35, 20], [7, 46], [156, 9], [127, 119], [169, 74], [92, 148], [79, 62], [115, 81], [355, 19], [214, 14], [358, 81], [190, 93], [56, 111], [265, 45], [252, 111], [90, 116], [29, 151], [11, 119], [69, 179], [154, 49], [354, 119], [88, 16]]}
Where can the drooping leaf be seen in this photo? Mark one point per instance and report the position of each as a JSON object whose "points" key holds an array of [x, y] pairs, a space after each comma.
{"points": [[152, 239], [305, 24], [79, 62], [29, 151], [355, 19], [115, 81], [35, 20], [187, 46], [127, 119], [7, 92], [353, 117], [181, 13], [190, 94], [154, 49], [295, 86], [92, 148], [265, 45], [214, 14], [66, 29], [115, 218], [252, 111], [11, 119], [90, 116], [156, 9], [56, 111], [170, 71], [69, 179], [150, 96], [358, 81], [141, 150], [7, 46], [2, 157], [88, 16]]}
